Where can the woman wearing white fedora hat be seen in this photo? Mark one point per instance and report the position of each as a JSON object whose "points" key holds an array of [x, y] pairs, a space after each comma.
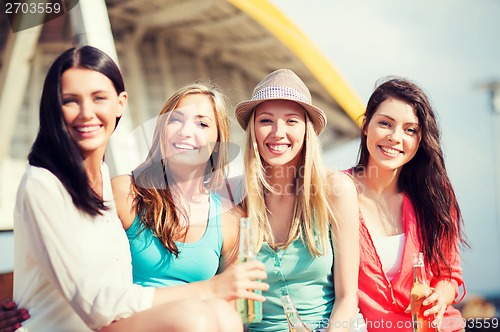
{"points": [[302, 216]]}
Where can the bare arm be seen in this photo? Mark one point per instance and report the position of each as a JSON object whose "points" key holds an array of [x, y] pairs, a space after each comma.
{"points": [[233, 281], [229, 285], [345, 232], [230, 232], [124, 199]]}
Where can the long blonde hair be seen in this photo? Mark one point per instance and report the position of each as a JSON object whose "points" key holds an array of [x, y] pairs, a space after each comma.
{"points": [[156, 201], [312, 215]]}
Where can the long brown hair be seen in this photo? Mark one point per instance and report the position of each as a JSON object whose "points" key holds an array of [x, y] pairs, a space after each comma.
{"points": [[156, 199], [424, 178]]}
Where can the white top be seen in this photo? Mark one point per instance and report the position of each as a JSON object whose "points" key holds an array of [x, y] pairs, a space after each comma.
{"points": [[390, 252], [72, 271]]}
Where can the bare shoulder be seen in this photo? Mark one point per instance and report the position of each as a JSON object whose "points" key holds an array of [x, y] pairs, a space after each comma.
{"points": [[340, 183], [124, 199], [121, 183], [344, 200], [231, 212]]}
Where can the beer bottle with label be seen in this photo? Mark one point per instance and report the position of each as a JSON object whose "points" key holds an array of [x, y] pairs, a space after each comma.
{"points": [[419, 292], [250, 311]]}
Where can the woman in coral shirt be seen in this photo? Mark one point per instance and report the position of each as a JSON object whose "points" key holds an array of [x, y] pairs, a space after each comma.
{"points": [[407, 205]]}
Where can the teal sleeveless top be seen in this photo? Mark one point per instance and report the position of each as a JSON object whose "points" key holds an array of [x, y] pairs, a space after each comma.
{"points": [[308, 280], [153, 265]]}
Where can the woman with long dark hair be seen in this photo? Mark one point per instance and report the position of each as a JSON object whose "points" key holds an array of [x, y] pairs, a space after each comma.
{"points": [[407, 205], [72, 267]]}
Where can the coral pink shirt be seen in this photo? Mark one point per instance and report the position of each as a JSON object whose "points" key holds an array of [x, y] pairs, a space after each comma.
{"points": [[383, 302]]}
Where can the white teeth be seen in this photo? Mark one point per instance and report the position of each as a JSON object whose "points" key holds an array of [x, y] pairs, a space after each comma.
{"points": [[278, 147], [87, 129], [183, 146], [390, 150]]}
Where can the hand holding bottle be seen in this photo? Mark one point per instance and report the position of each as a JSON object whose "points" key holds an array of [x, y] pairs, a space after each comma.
{"points": [[420, 292], [250, 310], [436, 303], [436, 300], [239, 281]]}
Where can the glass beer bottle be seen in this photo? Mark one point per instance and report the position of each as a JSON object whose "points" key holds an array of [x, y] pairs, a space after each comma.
{"points": [[250, 311], [419, 292], [295, 324]]}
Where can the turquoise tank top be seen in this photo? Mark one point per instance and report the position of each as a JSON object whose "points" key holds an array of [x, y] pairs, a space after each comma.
{"points": [[308, 280], [153, 265]]}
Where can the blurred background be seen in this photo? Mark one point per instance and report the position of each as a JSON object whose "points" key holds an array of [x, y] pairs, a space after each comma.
{"points": [[340, 48]]}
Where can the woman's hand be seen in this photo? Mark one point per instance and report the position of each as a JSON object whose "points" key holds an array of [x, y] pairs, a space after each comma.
{"points": [[436, 306], [437, 301], [11, 316], [240, 281]]}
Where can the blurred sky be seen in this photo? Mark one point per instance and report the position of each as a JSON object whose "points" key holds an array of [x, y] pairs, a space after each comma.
{"points": [[448, 47]]}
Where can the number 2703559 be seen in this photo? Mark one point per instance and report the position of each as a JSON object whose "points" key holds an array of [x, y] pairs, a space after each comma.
{"points": [[33, 7]]}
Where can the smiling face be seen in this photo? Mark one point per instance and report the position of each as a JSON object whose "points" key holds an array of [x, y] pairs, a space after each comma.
{"points": [[90, 107], [190, 133], [393, 135], [280, 129]]}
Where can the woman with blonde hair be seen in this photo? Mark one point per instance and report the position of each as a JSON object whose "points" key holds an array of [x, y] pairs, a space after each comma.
{"points": [[180, 230], [302, 216]]}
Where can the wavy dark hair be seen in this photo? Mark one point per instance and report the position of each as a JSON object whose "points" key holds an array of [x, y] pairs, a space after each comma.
{"points": [[424, 178], [53, 148]]}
